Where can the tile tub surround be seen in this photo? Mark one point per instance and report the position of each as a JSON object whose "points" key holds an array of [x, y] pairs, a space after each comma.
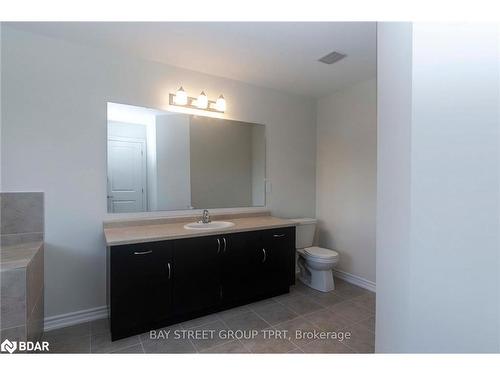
{"points": [[338, 310], [22, 291], [21, 266], [21, 213], [137, 231]]}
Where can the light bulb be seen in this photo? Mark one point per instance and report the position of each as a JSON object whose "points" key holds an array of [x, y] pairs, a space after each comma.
{"points": [[181, 97], [220, 104], [202, 101]]}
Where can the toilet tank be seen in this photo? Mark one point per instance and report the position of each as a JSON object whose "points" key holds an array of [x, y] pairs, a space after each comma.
{"points": [[304, 232]]}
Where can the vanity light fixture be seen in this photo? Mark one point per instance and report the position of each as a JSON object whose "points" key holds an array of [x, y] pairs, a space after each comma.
{"points": [[220, 104], [202, 101], [181, 99]]}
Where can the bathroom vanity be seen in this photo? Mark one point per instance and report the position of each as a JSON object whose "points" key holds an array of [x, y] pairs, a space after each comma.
{"points": [[160, 273]]}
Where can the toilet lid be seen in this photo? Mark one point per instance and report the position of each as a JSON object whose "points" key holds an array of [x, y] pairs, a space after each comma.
{"points": [[319, 252]]}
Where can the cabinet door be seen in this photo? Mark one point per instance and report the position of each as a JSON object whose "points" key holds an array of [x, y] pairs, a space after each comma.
{"points": [[240, 267], [140, 282], [277, 258], [196, 274]]}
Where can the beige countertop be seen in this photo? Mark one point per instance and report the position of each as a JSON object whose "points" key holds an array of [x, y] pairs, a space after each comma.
{"points": [[18, 255], [139, 232]]}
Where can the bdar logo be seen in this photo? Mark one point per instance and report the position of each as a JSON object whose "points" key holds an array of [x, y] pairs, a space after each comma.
{"points": [[8, 346]]}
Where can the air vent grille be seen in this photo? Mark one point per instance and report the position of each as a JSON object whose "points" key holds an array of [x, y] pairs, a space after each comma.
{"points": [[332, 57]]}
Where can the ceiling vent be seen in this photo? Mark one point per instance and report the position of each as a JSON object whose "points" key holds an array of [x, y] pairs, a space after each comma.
{"points": [[332, 58]]}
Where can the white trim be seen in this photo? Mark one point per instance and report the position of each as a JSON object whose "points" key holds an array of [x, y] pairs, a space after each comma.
{"points": [[72, 318], [356, 280], [349, 277]]}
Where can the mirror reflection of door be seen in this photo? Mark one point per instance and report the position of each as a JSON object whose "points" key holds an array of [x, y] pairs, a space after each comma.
{"points": [[126, 175]]}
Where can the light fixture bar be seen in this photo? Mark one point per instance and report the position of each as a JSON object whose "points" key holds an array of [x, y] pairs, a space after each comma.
{"points": [[191, 103]]}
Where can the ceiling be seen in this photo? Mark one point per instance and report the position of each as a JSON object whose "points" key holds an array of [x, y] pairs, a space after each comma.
{"points": [[278, 55]]}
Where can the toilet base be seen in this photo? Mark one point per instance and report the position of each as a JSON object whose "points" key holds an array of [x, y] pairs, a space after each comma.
{"points": [[321, 280]]}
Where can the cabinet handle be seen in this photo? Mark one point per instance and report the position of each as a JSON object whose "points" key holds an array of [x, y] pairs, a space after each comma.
{"points": [[225, 243], [169, 268], [218, 246], [143, 252], [265, 256], [278, 235]]}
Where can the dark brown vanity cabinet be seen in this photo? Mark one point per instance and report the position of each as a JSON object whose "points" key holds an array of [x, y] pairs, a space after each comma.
{"points": [[197, 280], [241, 262], [155, 284], [278, 259], [140, 287]]}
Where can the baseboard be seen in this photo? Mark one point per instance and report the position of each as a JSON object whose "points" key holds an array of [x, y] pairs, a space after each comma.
{"points": [[72, 318], [356, 280]]}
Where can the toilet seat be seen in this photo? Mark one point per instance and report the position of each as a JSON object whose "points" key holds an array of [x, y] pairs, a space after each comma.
{"points": [[321, 254]]}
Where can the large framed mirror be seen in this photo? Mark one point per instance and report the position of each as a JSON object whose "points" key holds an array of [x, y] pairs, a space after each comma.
{"points": [[163, 161]]}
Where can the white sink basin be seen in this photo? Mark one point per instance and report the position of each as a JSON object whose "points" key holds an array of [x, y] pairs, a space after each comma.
{"points": [[208, 226]]}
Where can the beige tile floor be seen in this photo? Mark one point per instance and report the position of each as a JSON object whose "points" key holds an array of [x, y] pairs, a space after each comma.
{"points": [[347, 309]]}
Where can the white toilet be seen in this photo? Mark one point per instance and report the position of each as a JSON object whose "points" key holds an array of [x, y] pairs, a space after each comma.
{"points": [[315, 263]]}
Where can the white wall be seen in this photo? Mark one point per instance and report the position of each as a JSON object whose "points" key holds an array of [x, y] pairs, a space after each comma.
{"points": [[54, 140], [258, 165], [221, 163], [173, 162], [346, 176], [440, 262], [394, 75]]}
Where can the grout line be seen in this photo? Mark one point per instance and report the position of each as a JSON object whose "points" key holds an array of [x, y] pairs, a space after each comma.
{"points": [[271, 326], [216, 346], [355, 351], [193, 345], [142, 346], [235, 314], [343, 328], [244, 346], [6, 328], [21, 233], [219, 320], [348, 317], [315, 325], [189, 339], [144, 350], [251, 310], [294, 344], [222, 343], [199, 325], [256, 313], [298, 313], [125, 347], [372, 316], [240, 341]]}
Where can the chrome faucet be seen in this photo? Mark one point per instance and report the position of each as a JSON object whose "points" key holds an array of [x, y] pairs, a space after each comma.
{"points": [[205, 218]]}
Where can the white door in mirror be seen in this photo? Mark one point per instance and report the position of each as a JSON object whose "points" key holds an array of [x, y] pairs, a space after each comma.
{"points": [[211, 225], [126, 175]]}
